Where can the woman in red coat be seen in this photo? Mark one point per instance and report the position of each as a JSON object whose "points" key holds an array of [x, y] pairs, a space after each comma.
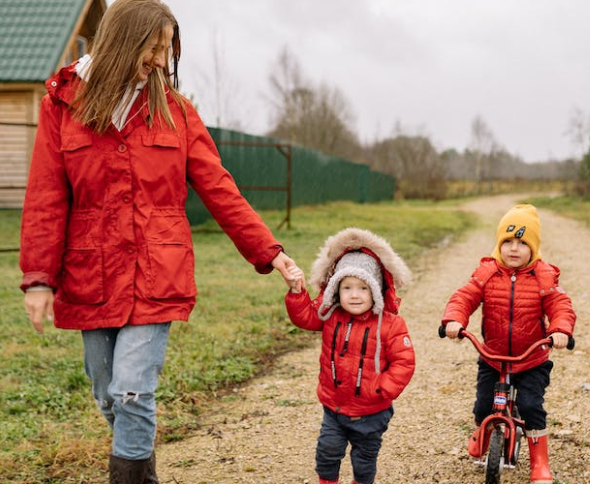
{"points": [[522, 303], [367, 357], [106, 246]]}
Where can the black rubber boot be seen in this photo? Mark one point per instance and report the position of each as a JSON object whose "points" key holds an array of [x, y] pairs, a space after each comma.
{"points": [[151, 477], [124, 471]]}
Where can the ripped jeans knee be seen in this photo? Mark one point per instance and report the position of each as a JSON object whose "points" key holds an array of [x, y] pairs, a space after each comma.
{"points": [[124, 365]]}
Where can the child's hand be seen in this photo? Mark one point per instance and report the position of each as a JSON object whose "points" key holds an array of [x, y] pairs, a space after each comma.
{"points": [[297, 279], [452, 329], [559, 340]]}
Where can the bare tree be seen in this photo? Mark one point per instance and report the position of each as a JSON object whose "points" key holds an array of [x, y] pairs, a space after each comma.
{"points": [[579, 130], [220, 103], [414, 162], [315, 116]]}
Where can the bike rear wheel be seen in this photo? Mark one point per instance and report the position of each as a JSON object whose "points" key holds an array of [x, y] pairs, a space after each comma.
{"points": [[495, 459]]}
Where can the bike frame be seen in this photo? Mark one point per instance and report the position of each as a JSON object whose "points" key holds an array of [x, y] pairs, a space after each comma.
{"points": [[504, 398], [503, 420]]}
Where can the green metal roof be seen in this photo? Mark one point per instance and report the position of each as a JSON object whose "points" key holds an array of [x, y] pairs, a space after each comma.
{"points": [[33, 36]]}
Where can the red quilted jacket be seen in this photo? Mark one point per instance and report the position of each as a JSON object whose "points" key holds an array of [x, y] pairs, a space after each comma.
{"points": [[519, 308], [341, 390], [104, 220]]}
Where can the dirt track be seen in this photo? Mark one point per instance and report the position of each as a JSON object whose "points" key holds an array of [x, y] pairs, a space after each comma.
{"points": [[267, 433]]}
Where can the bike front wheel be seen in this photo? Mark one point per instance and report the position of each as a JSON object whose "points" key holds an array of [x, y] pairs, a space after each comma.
{"points": [[495, 459]]}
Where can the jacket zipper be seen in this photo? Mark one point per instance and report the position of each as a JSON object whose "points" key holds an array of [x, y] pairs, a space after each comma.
{"points": [[360, 371], [511, 321]]}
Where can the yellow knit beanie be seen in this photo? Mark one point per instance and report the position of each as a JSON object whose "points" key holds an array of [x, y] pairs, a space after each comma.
{"points": [[521, 222]]}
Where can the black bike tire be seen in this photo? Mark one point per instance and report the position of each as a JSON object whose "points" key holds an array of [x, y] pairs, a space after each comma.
{"points": [[496, 449]]}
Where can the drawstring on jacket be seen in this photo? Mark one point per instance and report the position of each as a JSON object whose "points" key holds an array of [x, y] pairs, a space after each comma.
{"points": [[360, 372]]}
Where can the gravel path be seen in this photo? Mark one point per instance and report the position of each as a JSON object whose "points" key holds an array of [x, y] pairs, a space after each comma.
{"points": [[267, 433]]}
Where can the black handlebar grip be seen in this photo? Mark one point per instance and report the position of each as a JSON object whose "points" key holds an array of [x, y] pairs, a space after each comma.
{"points": [[442, 331], [571, 343]]}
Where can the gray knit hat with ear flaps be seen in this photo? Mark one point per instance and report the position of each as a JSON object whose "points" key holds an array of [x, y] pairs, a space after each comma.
{"points": [[367, 269], [361, 266], [343, 255]]}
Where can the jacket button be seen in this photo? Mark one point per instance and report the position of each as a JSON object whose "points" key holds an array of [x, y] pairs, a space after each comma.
{"points": [[130, 250], [126, 198], [122, 148], [53, 83]]}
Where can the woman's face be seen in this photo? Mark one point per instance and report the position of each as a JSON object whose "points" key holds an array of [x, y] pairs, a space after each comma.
{"points": [[159, 50]]}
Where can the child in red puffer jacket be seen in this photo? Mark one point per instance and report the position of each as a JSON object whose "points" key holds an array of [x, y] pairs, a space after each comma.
{"points": [[522, 303], [367, 357]]}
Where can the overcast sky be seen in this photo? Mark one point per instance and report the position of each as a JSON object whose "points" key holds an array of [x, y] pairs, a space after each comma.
{"points": [[523, 66]]}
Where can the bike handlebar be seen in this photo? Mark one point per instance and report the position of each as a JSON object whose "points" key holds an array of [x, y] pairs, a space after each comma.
{"points": [[483, 351]]}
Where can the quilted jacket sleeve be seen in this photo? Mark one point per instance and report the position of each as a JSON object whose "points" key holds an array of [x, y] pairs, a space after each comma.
{"points": [[401, 359], [463, 303], [302, 311], [557, 305]]}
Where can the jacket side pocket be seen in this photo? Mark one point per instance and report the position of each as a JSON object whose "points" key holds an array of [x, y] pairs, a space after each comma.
{"points": [[171, 271], [82, 279]]}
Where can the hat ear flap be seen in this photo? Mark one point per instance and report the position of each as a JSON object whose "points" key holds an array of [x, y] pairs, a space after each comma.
{"points": [[390, 298]]}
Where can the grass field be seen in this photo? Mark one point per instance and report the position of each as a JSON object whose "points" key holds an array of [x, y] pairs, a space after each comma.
{"points": [[51, 431]]}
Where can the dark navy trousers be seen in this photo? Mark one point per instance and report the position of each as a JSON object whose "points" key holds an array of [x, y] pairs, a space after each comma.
{"points": [[530, 393], [365, 435]]}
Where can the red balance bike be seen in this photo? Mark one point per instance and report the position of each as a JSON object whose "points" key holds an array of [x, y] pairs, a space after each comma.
{"points": [[501, 432]]}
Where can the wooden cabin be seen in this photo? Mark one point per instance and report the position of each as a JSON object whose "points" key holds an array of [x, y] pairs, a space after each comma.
{"points": [[37, 37]]}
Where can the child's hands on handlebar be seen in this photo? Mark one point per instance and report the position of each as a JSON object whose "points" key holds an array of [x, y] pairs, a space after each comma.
{"points": [[560, 340], [453, 328]]}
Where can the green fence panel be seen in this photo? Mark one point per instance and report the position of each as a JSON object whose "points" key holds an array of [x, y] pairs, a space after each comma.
{"points": [[260, 168]]}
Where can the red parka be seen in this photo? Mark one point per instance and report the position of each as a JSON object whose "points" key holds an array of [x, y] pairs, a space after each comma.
{"points": [[104, 222], [519, 308], [356, 389]]}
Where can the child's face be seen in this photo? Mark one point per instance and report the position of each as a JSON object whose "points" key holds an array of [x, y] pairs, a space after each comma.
{"points": [[515, 253], [355, 295]]}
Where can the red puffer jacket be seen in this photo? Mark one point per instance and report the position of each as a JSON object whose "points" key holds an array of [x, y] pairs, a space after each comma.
{"points": [[515, 307], [104, 220], [349, 344]]}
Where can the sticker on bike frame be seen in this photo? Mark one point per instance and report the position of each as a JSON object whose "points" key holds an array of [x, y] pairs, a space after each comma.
{"points": [[499, 400]]}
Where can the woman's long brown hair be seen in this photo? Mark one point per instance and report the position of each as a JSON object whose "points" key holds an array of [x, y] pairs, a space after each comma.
{"points": [[122, 40]]}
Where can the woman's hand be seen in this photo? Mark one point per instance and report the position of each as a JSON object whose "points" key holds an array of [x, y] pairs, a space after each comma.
{"points": [[297, 278], [288, 269], [39, 305]]}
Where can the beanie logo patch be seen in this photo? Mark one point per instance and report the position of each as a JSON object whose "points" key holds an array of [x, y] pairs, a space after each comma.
{"points": [[520, 233], [510, 228]]}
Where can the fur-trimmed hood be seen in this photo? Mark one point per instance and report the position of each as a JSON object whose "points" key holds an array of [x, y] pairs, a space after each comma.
{"points": [[395, 271]]}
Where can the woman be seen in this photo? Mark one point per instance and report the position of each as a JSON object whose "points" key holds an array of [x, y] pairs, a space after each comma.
{"points": [[106, 247]]}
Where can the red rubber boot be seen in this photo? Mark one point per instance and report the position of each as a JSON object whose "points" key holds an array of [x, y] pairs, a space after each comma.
{"points": [[326, 481], [473, 446], [539, 457]]}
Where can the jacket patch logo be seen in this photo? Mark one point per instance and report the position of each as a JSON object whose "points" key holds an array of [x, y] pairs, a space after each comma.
{"points": [[510, 228], [407, 341], [520, 232]]}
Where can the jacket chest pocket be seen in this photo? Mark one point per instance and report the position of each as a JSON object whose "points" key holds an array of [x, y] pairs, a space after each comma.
{"points": [[75, 146]]}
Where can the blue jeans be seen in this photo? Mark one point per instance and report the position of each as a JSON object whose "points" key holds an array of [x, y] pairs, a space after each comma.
{"points": [[365, 435], [124, 364]]}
